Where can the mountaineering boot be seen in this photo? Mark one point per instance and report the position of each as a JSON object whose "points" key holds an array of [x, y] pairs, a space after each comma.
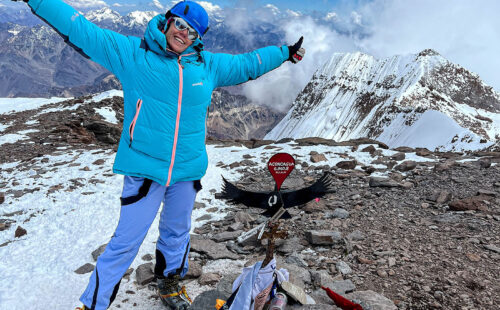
{"points": [[172, 294], [82, 308]]}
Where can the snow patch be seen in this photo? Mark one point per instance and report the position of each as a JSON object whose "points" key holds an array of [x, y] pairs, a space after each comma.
{"points": [[12, 105], [108, 114], [106, 95], [433, 130], [14, 137]]}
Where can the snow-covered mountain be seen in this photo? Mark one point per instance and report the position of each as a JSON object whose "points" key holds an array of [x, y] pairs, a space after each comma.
{"points": [[420, 100]]}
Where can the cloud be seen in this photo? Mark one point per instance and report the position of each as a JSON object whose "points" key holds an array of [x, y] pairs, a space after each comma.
{"points": [[157, 5], [280, 87], [331, 16], [209, 7], [293, 13], [87, 4], [464, 32]]}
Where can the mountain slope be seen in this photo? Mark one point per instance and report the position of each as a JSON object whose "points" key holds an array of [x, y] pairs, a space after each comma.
{"points": [[393, 100]]}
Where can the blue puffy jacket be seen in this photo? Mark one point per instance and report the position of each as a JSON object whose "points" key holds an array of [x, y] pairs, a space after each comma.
{"points": [[166, 96]]}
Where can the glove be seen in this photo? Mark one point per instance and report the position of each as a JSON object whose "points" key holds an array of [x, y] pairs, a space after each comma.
{"points": [[295, 52]]}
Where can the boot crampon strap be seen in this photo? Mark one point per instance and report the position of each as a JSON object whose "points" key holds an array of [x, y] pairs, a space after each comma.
{"points": [[180, 293]]}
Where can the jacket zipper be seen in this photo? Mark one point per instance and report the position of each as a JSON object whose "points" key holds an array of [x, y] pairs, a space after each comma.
{"points": [[179, 104], [132, 124]]}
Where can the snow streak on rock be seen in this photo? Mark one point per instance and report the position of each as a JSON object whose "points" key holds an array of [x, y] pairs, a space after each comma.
{"points": [[418, 100]]}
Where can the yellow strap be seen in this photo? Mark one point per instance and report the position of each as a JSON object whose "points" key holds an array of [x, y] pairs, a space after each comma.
{"points": [[182, 291]]}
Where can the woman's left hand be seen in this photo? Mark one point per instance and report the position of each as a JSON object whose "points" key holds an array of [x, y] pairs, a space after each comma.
{"points": [[296, 52]]}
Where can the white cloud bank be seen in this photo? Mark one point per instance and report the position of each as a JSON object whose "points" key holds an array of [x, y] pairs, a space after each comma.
{"points": [[87, 4], [465, 32]]}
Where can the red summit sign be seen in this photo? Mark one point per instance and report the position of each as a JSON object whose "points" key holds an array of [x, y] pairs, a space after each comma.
{"points": [[280, 166]]}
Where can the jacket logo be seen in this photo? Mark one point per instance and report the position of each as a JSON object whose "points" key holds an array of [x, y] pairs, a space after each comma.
{"points": [[198, 84]]}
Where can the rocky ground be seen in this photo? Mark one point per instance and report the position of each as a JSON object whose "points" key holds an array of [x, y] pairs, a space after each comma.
{"points": [[427, 237], [397, 234]]}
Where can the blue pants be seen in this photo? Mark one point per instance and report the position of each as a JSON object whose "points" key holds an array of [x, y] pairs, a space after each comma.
{"points": [[141, 199]]}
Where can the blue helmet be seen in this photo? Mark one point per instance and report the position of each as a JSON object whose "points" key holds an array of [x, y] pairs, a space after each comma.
{"points": [[193, 13]]}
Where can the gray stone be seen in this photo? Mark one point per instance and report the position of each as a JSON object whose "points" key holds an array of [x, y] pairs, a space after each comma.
{"points": [[236, 226], [321, 278], [443, 166], [356, 235], [225, 285], [398, 156], [296, 260], [20, 232], [440, 196], [316, 158], [313, 307], [382, 182], [343, 267], [244, 218], [85, 269], [347, 164], [211, 248], [235, 248], [291, 245], [207, 299], [194, 270], [2, 198], [372, 300], [342, 287], [340, 213], [323, 237], [447, 218], [144, 273], [210, 278], [227, 235], [98, 251], [492, 248], [204, 217], [484, 162], [147, 257], [369, 149], [407, 165], [298, 275], [321, 298], [128, 272], [295, 292]]}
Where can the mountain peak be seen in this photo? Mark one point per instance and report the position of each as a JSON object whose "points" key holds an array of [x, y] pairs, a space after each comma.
{"points": [[428, 52], [104, 14], [403, 100]]}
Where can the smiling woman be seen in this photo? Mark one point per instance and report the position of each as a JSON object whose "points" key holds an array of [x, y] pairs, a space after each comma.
{"points": [[167, 81]]}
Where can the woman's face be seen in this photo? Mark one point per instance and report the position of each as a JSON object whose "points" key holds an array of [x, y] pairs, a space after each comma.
{"points": [[177, 40]]}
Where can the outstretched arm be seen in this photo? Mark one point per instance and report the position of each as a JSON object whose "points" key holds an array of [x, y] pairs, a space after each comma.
{"points": [[236, 69], [108, 48]]}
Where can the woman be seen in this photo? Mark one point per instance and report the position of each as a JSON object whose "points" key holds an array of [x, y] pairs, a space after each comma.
{"points": [[167, 81]]}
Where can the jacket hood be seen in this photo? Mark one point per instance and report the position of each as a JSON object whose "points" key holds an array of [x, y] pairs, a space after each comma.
{"points": [[157, 41]]}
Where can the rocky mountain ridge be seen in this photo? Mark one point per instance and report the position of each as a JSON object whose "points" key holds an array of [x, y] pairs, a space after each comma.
{"points": [[402, 101]]}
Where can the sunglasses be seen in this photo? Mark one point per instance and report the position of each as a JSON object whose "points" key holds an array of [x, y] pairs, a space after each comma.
{"points": [[181, 24]]}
